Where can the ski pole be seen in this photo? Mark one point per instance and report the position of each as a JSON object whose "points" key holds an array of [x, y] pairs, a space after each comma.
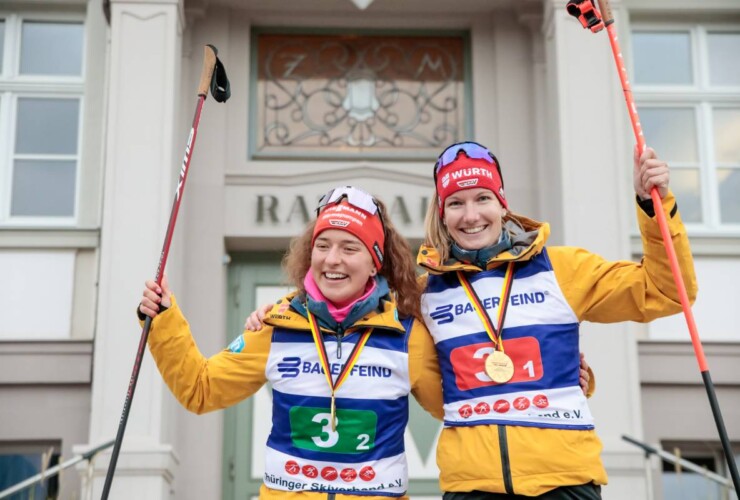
{"points": [[584, 11], [212, 76]]}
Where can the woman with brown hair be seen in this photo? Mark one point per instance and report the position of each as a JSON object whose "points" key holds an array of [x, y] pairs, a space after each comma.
{"points": [[341, 353]]}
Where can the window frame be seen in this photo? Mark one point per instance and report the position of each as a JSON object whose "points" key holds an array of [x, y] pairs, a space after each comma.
{"points": [[703, 98], [692, 450], [13, 86]]}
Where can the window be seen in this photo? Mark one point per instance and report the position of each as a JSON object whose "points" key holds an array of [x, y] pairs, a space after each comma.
{"points": [[679, 482], [338, 95], [687, 87], [719, 279], [55, 268], [41, 86], [21, 461]]}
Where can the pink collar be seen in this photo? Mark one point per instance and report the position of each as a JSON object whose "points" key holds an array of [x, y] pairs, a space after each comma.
{"points": [[338, 313]]}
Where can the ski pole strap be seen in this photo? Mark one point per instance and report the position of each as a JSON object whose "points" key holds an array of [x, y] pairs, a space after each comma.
{"points": [[220, 87], [586, 13], [213, 76]]}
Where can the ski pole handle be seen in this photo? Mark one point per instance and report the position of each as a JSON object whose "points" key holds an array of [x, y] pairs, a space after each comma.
{"points": [[606, 12], [206, 74]]}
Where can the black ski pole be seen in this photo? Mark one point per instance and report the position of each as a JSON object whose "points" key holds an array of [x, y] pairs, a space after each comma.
{"points": [[213, 76]]}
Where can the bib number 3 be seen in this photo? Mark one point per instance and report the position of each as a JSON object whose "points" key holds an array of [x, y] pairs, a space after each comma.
{"points": [[332, 437], [311, 429]]}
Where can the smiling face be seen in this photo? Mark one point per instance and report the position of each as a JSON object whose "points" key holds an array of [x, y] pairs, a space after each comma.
{"points": [[473, 218], [341, 266]]}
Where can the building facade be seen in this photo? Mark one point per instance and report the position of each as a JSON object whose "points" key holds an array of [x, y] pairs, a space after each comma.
{"points": [[96, 101]]}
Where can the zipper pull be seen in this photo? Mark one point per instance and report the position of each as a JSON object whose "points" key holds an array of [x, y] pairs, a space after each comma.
{"points": [[339, 334]]}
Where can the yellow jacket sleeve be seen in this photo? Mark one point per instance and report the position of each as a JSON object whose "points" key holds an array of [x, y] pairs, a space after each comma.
{"points": [[609, 291], [426, 379], [205, 384]]}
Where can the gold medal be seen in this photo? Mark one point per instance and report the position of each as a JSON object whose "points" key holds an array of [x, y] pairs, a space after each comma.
{"points": [[333, 415], [499, 367]]}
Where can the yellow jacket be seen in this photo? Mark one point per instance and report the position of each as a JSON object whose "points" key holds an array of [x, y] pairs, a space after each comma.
{"points": [[532, 460], [203, 384]]}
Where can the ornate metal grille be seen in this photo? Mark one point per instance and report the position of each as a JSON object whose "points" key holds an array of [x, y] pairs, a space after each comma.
{"points": [[335, 95]]}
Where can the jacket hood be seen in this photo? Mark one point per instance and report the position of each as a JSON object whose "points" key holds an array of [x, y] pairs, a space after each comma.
{"points": [[528, 238], [284, 315]]}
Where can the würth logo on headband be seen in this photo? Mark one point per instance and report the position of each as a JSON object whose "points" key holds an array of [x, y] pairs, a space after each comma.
{"points": [[472, 172]]}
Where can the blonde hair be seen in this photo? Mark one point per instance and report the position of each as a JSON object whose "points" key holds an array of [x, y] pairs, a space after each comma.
{"points": [[436, 234], [398, 267]]}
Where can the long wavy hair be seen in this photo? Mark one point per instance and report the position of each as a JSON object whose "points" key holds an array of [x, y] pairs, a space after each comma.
{"points": [[398, 267]]}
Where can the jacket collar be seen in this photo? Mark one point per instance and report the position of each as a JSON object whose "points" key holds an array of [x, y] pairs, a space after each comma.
{"points": [[528, 238], [481, 256], [290, 313]]}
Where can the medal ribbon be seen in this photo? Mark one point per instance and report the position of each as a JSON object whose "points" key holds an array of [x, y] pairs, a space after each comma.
{"points": [[493, 332], [324, 359]]}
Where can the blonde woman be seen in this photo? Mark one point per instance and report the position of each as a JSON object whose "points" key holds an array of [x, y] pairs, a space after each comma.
{"points": [[504, 309]]}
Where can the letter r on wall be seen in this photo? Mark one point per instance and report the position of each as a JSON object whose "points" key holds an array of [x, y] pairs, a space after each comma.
{"points": [[270, 208]]}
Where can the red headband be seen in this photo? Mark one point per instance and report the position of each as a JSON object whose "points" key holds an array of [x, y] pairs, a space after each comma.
{"points": [[367, 227], [468, 173]]}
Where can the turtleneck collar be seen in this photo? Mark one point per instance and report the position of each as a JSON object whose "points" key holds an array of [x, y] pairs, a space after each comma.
{"points": [[481, 256], [338, 312], [369, 302]]}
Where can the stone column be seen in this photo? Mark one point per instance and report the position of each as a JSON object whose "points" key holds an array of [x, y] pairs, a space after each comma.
{"points": [[140, 171], [588, 141]]}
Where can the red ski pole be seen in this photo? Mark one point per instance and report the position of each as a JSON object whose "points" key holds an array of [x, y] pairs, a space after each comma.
{"points": [[213, 76], [589, 18]]}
